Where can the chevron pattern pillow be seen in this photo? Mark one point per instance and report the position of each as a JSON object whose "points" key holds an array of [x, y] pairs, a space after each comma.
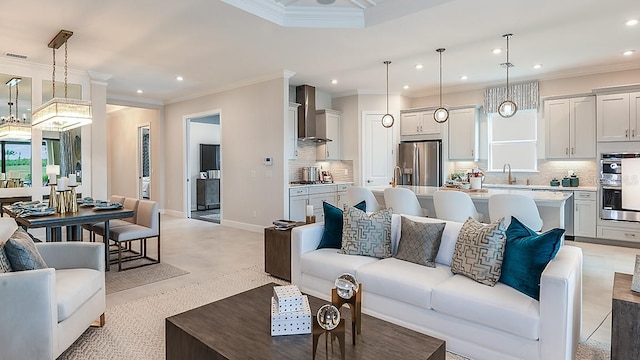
{"points": [[479, 251], [419, 242], [366, 234]]}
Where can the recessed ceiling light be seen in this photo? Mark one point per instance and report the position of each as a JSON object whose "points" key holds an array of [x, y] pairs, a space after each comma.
{"points": [[405, 87], [334, 81], [139, 91], [628, 52], [537, 66], [419, 66], [463, 77], [632, 22], [179, 78], [496, 51]]}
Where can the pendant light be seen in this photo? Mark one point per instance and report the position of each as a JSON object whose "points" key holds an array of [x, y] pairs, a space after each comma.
{"points": [[387, 119], [441, 114], [507, 108], [61, 114]]}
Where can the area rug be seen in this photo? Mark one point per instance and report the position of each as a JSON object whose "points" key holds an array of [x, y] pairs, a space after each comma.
{"points": [[135, 330], [122, 280]]}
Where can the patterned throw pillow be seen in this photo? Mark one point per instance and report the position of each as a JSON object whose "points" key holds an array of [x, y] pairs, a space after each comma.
{"points": [[366, 234], [5, 265], [479, 251], [419, 242], [22, 252]]}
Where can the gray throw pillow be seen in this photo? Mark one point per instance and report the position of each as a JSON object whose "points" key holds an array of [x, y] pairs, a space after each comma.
{"points": [[22, 252], [5, 265], [419, 242], [366, 234], [479, 251]]}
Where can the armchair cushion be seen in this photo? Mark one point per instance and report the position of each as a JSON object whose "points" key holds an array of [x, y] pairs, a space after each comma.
{"points": [[22, 252], [74, 287]]}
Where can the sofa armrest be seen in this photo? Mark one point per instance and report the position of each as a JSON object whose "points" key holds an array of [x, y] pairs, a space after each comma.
{"points": [[28, 315], [303, 239], [69, 255], [561, 304]]}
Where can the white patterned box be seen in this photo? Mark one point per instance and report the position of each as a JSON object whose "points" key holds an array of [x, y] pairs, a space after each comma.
{"points": [[288, 298], [290, 323]]}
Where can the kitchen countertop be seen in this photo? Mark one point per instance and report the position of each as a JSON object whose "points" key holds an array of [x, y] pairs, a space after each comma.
{"points": [[323, 184], [541, 187]]}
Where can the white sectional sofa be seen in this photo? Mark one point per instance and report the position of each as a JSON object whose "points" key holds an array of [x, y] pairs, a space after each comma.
{"points": [[475, 320]]}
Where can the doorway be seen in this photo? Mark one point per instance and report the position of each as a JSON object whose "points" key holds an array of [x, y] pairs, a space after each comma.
{"points": [[377, 150], [144, 163], [203, 170]]}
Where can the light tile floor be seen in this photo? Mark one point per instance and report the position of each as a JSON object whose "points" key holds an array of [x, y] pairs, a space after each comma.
{"points": [[206, 249]]}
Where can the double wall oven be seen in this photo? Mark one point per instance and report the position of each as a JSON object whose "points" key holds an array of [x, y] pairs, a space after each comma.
{"points": [[611, 187]]}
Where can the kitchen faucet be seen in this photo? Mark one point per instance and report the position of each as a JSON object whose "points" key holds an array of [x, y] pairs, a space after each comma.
{"points": [[394, 180], [510, 180]]}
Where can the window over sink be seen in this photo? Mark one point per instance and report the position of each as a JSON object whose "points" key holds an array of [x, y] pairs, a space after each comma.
{"points": [[513, 141]]}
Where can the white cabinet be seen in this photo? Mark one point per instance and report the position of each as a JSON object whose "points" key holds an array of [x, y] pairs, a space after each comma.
{"points": [[618, 117], [318, 194], [570, 128], [341, 200], [419, 123], [292, 132], [301, 196], [585, 213], [463, 134], [328, 126], [298, 201]]}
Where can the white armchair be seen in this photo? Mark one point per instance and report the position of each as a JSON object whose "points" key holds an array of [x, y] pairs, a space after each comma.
{"points": [[44, 311]]}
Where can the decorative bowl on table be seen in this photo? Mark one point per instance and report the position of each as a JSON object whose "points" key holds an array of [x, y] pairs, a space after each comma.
{"points": [[106, 205]]}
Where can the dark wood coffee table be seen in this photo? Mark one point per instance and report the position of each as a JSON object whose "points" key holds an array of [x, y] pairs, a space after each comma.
{"points": [[238, 327]]}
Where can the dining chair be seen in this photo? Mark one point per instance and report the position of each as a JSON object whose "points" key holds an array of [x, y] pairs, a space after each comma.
{"points": [[519, 206], [91, 228], [454, 206], [403, 201], [147, 226], [356, 194]]}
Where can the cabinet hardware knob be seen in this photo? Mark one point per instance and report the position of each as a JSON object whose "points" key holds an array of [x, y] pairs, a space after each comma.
{"points": [[629, 235], [633, 133], [626, 133], [573, 151], [566, 151]]}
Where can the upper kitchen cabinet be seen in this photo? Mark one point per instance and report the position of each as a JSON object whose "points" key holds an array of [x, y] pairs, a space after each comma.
{"points": [[571, 128], [464, 133], [618, 117], [292, 132], [328, 127], [418, 124]]}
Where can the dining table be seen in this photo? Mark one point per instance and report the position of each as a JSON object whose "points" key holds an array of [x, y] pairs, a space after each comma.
{"points": [[73, 222]]}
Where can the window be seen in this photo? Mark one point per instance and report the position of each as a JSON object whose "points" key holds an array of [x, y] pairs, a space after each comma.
{"points": [[513, 141], [16, 160]]}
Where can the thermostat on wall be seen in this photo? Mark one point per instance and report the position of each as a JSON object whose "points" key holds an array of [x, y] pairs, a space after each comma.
{"points": [[268, 161]]}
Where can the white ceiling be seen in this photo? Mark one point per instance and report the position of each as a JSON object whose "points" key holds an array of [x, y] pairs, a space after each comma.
{"points": [[145, 44]]}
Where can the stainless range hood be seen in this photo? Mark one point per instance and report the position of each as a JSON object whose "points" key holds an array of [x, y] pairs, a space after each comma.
{"points": [[306, 97]]}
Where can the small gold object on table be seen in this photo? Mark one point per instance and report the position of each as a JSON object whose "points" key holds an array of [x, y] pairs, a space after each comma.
{"points": [[311, 219], [53, 197], [349, 291], [62, 203], [72, 202], [328, 322]]}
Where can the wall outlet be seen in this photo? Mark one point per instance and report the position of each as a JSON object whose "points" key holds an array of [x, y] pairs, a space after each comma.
{"points": [[346, 171], [255, 213], [253, 173], [268, 173]]}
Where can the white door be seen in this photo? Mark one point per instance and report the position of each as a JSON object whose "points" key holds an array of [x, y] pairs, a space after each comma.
{"points": [[377, 150]]}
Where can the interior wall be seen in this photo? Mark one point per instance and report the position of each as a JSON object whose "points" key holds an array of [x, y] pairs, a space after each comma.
{"points": [[122, 148], [252, 122], [199, 133]]}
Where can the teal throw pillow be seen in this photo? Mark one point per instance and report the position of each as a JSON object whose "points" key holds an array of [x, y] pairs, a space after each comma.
{"points": [[332, 235], [526, 255]]}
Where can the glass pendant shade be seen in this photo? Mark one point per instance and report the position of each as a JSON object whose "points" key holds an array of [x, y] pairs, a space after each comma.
{"points": [[507, 108], [387, 119], [62, 114], [441, 114]]}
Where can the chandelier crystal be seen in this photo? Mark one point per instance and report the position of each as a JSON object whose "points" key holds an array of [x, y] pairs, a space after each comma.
{"points": [[61, 114]]}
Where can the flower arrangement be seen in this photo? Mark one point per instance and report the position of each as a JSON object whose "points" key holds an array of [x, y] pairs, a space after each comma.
{"points": [[476, 173]]}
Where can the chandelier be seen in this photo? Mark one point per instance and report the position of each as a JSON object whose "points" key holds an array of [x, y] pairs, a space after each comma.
{"points": [[11, 127], [61, 114]]}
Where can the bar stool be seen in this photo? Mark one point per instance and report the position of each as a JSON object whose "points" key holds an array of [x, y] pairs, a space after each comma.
{"points": [[454, 206], [403, 201], [356, 194], [519, 206]]}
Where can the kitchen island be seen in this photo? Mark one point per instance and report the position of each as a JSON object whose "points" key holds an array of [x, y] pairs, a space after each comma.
{"points": [[551, 204]]}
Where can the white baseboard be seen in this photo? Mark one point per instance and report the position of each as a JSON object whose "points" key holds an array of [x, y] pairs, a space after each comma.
{"points": [[172, 213], [243, 226]]}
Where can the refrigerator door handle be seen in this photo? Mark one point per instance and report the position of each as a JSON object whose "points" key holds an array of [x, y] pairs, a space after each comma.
{"points": [[416, 166]]}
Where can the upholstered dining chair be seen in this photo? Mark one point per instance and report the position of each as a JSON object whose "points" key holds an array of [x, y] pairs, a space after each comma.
{"points": [[356, 194], [147, 226], [403, 201], [98, 229], [454, 206], [519, 206]]}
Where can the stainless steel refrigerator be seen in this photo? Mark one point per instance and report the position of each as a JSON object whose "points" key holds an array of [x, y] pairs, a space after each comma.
{"points": [[420, 163]]}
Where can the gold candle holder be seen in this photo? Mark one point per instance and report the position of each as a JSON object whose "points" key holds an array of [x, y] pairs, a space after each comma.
{"points": [[62, 203], [53, 197], [72, 203], [311, 219]]}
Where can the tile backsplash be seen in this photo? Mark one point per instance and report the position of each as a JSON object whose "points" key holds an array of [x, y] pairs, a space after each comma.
{"points": [[587, 171], [341, 170]]}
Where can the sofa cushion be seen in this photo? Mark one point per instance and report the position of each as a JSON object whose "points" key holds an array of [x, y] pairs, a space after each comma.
{"points": [[5, 265], [500, 307], [22, 252], [366, 234], [74, 287], [402, 281], [332, 234], [447, 242], [328, 264], [479, 251], [526, 254], [419, 242]]}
